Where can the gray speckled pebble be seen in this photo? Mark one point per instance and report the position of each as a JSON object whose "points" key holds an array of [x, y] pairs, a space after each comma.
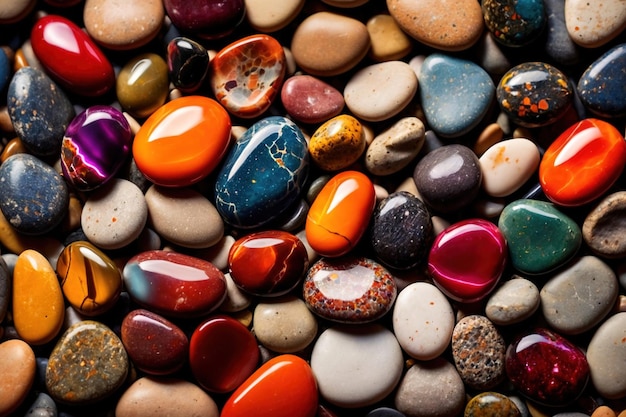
{"points": [[606, 355], [43, 406], [512, 302]]}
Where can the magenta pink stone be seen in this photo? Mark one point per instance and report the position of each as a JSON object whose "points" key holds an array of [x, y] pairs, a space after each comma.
{"points": [[310, 100], [546, 367], [95, 146], [467, 259]]}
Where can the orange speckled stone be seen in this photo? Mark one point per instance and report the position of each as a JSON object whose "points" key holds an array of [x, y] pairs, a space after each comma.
{"points": [[247, 75], [340, 214], [183, 141], [38, 306], [582, 163], [338, 143]]}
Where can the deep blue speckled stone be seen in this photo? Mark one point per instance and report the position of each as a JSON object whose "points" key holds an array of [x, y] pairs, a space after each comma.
{"points": [[602, 87], [514, 22], [39, 110], [5, 69], [455, 94], [34, 196], [263, 173]]}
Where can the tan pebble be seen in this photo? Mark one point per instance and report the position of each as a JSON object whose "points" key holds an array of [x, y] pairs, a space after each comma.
{"points": [[328, 44], [439, 224], [17, 243], [236, 300], [313, 255], [12, 11], [593, 24], [537, 411], [621, 304], [603, 411], [393, 149], [522, 132], [622, 413], [174, 93], [237, 132], [381, 192], [291, 62], [271, 16], [134, 124], [218, 253], [17, 374], [491, 135], [72, 218], [388, 41], [13, 147], [369, 134], [244, 317]]}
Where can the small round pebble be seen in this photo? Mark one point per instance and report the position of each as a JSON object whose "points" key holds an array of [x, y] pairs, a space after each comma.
{"points": [[513, 302], [491, 404], [338, 143], [604, 229]]}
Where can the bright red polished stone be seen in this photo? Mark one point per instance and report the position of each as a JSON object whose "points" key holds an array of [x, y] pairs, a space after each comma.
{"points": [[270, 262], [222, 354], [284, 386], [582, 163], [71, 57], [467, 259], [546, 367]]}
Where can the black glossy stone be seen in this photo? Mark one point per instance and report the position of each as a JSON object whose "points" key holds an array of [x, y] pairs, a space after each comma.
{"points": [[188, 63], [39, 111], [448, 178], [401, 231], [34, 196]]}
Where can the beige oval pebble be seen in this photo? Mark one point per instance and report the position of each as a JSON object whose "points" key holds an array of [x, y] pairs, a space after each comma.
{"points": [[284, 325], [17, 374], [606, 355], [449, 25], [271, 16], [201, 225], [155, 397], [512, 302], [123, 25], [236, 300], [389, 42], [507, 165], [592, 24], [218, 253], [380, 91], [12, 11], [396, 147], [328, 44]]}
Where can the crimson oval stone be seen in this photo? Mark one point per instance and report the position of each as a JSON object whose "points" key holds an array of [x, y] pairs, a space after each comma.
{"points": [[206, 18], [155, 345], [269, 263], [311, 100], [466, 260], [174, 284], [223, 353], [95, 146], [546, 367], [71, 57]]}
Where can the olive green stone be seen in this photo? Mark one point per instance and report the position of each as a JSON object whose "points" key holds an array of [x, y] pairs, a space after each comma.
{"points": [[142, 85], [540, 238], [491, 404]]}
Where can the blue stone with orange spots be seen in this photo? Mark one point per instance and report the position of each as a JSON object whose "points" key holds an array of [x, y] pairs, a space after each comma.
{"points": [[514, 22], [263, 174]]}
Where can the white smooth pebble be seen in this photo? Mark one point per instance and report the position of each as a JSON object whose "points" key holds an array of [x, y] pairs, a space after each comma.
{"points": [[507, 165]]}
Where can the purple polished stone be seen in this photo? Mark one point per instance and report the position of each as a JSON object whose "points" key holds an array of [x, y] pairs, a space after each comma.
{"points": [[546, 367], [206, 18], [95, 146]]}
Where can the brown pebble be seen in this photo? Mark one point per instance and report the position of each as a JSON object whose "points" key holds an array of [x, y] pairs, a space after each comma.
{"points": [[17, 373], [5, 120], [604, 229], [491, 135], [13, 147], [603, 411]]}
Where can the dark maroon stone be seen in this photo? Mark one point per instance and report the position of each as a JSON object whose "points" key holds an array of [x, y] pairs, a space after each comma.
{"points": [[310, 100], [206, 18]]}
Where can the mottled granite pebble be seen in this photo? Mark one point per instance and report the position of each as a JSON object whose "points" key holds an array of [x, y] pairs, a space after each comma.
{"points": [[43, 406], [396, 147], [512, 302], [604, 230]]}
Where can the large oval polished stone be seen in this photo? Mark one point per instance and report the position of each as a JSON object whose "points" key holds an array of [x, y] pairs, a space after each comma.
{"points": [[95, 146], [267, 167], [183, 141], [142, 85], [174, 284], [206, 18]]}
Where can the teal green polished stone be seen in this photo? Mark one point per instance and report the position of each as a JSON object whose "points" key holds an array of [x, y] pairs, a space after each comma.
{"points": [[540, 237]]}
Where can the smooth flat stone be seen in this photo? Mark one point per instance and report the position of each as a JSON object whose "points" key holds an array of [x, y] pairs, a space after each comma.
{"points": [[14, 11], [262, 394], [546, 368], [114, 215], [272, 17], [223, 353], [95, 146], [91, 282], [603, 231], [149, 396], [389, 42], [395, 148], [284, 325], [534, 94], [478, 351], [142, 85], [17, 374], [123, 27], [606, 353], [154, 344], [423, 321], [327, 44], [380, 91], [338, 143], [491, 403], [514, 23], [349, 289], [166, 148], [602, 87], [444, 25], [103, 362], [200, 227], [71, 56], [512, 302], [246, 75], [206, 19], [187, 63], [153, 277], [39, 111], [540, 237], [268, 167], [590, 26], [309, 99], [507, 165], [579, 296], [568, 171], [368, 356]]}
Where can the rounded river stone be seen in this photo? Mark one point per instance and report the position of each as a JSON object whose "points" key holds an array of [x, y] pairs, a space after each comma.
{"points": [[606, 355], [604, 228], [512, 302]]}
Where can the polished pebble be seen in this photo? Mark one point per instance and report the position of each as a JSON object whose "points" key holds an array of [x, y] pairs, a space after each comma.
{"points": [[603, 230], [513, 301], [605, 353], [207, 19], [591, 26], [17, 370], [396, 147], [142, 85], [514, 23], [491, 404], [389, 42], [367, 356], [87, 351], [310, 99], [187, 63], [338, 143], [272, 17]]}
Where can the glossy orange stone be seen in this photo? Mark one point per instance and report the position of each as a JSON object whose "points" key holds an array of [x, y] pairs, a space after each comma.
{"points": [[247, 75], [582, 163], [183, 141], [284, 386], [340, 214]]}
